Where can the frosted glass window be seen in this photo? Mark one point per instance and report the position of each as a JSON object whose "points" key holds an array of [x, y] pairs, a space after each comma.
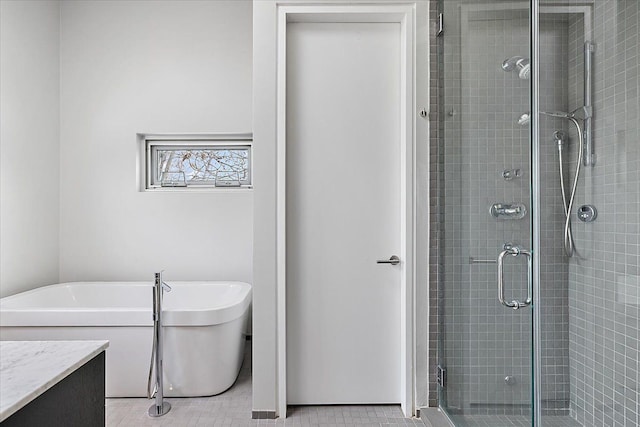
{"points": [[187, 165]]}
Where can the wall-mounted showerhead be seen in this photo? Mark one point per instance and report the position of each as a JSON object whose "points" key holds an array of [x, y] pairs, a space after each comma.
{"points": [[524, 119], [523, 65]]}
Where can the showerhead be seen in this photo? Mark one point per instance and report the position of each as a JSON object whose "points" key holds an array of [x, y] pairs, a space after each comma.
{"points": [[581, 113], [523, 65], [510, 64], [524, 68], [524, 119]]}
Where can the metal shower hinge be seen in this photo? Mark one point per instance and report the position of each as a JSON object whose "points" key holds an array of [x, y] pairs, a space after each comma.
{"points": [[441, 376], [440, 30]]}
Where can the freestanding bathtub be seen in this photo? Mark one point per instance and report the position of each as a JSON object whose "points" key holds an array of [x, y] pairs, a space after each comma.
{"points": [[204, 330]]}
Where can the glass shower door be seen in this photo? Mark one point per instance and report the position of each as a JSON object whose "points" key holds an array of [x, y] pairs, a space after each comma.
{"points": [[510, 183], [484, 192]]}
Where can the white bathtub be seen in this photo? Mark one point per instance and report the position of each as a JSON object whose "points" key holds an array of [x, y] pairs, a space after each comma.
{"points": [[204, 333]]}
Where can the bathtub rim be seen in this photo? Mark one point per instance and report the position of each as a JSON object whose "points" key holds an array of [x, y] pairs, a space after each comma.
{"points": [[122, 316]]}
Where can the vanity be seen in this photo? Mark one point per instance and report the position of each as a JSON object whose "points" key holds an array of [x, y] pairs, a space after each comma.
{"points": [[52, 383]]}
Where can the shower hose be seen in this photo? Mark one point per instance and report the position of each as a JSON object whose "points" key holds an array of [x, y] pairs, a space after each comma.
{"points": [[568, 235]]}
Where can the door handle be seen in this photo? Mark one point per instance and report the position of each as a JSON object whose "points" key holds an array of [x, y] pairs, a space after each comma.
{"points": [[515, 304], [394, 260]]}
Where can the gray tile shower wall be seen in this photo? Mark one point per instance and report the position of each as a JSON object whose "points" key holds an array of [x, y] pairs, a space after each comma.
{"points": [[604, 277]]}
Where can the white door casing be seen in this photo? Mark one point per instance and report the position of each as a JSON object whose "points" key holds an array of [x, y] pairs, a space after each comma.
{"points": [[390, 12]]}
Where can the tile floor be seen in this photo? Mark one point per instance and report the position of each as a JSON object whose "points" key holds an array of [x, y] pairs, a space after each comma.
{"points": [[233, 408]]}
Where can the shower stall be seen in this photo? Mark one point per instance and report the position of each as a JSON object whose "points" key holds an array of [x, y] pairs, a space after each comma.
{"points": [[535, 225]]}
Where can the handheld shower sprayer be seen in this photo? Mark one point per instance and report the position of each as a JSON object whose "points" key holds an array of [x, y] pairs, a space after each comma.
{"points": [[581, 113], [559, 137]]}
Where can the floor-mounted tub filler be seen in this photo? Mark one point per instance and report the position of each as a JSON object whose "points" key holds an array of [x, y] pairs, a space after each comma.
{"points": [[155, 383], [204, 330]]}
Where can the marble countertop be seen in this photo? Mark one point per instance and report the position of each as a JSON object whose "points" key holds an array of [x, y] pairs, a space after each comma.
{"points": [[29, 368]]}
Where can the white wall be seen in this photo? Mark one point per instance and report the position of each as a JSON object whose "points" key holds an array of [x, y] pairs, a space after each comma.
{"points": [[29, 144], [150, 67], [265, 368]]}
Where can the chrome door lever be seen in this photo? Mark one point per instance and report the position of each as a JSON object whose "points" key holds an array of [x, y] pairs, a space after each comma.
{"points": [[394, 260]]}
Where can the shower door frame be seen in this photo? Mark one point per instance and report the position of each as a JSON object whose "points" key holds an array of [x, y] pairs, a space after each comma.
{"points": [[466, 9]]}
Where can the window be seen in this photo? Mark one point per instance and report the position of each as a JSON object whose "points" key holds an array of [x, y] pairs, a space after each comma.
{"points": [[196, 163], [181, 166]]}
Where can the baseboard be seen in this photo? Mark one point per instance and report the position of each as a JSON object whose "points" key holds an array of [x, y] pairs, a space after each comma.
{"points": [[263, 415]]}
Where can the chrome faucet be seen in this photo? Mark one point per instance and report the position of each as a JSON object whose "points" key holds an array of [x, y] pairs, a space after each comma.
{"points": [[160, 282]]}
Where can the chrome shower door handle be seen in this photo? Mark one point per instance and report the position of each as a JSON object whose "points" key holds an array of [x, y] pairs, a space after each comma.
{"points": [[515, 304], [394, 260]]}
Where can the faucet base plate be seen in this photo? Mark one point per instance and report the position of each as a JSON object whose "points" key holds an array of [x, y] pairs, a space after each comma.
{"points": [[158, 411]]}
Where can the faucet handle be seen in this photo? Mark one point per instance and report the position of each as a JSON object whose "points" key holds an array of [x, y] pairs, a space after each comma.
{"points": [[166, 287]]}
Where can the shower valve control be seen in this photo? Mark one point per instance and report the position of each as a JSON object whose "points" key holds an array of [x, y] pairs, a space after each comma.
{"points": [[587, 213], [509, 174], [510, 380], [508, 210]]}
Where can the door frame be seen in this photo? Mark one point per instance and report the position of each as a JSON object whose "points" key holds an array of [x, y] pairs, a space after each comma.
{"points": [[392, 12]]}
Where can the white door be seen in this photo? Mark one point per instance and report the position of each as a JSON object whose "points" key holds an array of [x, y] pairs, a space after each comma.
{"points": [[343, 213]]}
